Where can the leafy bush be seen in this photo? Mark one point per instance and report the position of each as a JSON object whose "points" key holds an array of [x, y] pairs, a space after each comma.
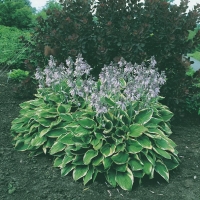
{"points": [[17, 75], [16, 13], [12, 51], [113, 126]]}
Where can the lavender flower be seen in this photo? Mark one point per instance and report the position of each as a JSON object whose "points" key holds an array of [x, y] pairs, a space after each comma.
{"points": [[132, 82]]}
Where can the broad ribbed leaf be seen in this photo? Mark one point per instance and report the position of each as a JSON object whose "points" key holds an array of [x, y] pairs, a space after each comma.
{"points": [[44, 122], [47, 114], [136, 130], [110, 177], [88, 176], [166, 114], [121, 168], [89, 155], [120, 158], [87, 123], [145, 142], [133, 146], [20, 146], [56, 132], [147, 166], [143, 116], [135, 164], [97, 160], [67, 139], [57, 162], [61, 109], [162, 153], [45, 131], [21, 120], [125, 179], [67, 159], [78, 160], [156, 131], [162, 170], [165, 128], [80, 131], [120, 147], [38, 141], [138, 174], [153, 122], [107, 162], [108, 126], [171, 163], [57, 147], [107, 149], [67, 169], [163, 144], [80, 171], [66, 117]]}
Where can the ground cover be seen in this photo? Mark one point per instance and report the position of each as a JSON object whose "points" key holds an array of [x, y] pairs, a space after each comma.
{"points": [[24, 177]]}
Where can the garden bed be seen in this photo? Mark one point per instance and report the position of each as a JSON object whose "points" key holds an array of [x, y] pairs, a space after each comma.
{"points": [[34, 178]]}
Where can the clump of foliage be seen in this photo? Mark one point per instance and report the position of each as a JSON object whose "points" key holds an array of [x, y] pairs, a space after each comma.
{"points": [[17, 75], [16, 13], [114, 126], [12, 50]]}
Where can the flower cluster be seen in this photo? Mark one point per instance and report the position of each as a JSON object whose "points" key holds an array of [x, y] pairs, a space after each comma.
{"points": [[123, 82]]}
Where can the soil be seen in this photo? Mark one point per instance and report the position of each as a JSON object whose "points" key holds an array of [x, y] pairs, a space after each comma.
{"points": [[34, 178]]}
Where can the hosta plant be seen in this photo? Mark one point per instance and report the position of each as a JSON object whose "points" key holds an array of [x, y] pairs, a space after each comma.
{"points": [[119, 138]]}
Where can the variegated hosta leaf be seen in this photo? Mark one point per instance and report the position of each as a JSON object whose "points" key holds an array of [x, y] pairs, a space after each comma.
{"points": [[147, 166], [87, 123], [107, 162], [143, 116], [89, 155], [165, 128], [80, 171], [125, 179], [88, 176], [153, 122], [66, 117], [137, 130], [97, 160], [57, 146], [161, 152], [145, 142], [171, 163], [68, 168], [165, 114], [135, 164], [108, 149], [55, 133], [133, 146], [110, 177], [38, 141], [57, 162], [120, 158], [161, 169], [20, 146], [163, 144]]}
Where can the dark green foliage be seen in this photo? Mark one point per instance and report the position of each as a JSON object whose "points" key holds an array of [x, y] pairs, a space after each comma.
{"points": [[16, 13]]}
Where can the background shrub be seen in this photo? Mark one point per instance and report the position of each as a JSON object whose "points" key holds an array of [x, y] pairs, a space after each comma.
{"points": [[13, 53]]}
